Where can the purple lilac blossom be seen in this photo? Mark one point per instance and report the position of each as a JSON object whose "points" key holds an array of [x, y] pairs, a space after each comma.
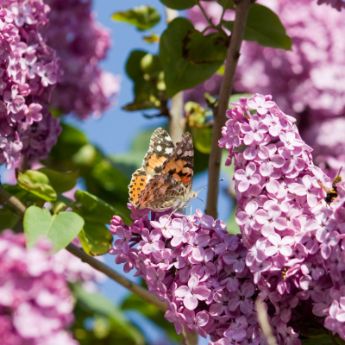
{"points": [[36, 304], [28, 71], [81, 43], [295, 239], [338, 4], [308, 80], [194, 265]]}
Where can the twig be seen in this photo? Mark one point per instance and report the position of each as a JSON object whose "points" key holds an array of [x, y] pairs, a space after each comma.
{"points": [[101, 267], [12, 201], [233, 55], [264, 323], [205, 15], [176, 121], [20, 208]]}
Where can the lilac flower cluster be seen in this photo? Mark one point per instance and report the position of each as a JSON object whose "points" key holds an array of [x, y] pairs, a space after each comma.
{"points": [[35, 302], [295, 240], [309, 78], [28, 71], [194, 265], [81, 43]]}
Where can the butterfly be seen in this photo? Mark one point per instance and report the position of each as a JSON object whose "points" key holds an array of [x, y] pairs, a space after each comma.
{"points": [[165, 179]]}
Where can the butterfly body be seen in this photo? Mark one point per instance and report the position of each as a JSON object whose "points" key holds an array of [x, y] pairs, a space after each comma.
{"points": [[165, 179]]}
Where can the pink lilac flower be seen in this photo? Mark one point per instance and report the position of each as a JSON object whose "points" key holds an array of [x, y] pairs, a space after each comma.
{"points": [[195, 266], [81, 43], [295, 239], [28, 71], [36, 304], [309, 79]]}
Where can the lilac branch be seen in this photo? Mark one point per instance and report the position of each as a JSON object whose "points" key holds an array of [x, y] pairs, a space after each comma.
{"points": [[233, 54]]}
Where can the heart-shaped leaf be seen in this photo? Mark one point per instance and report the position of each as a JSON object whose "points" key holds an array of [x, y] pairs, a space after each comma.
{"points": [[180, 44], [59, 229]]}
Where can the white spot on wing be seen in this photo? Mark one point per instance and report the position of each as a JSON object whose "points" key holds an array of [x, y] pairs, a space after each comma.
{"points": [[169, 150]]}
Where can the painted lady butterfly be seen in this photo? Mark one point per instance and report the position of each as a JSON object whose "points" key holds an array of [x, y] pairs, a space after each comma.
{"points": [[165, 179]]}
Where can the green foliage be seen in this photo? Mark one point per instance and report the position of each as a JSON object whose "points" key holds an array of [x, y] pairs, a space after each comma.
{"points": [[60, 229], [37, 183], [60, 181], [265, 28], [150, 311], [202, 138], [107, 326], [8, 218], [179, 4], [146, 72], [179, 43], [206, 49], [97, 171], [95, 237], [228, 4], [142, 17]]}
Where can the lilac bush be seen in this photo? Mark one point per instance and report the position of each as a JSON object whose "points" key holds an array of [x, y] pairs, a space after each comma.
{"points": [[35, 302], [294, 236], [29, 70], [80, 43], [50, 58]]}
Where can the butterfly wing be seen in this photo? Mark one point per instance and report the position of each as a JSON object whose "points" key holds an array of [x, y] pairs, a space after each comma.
{"points": [[160, 150], [137, 186], [171, 188], [181, 166]]}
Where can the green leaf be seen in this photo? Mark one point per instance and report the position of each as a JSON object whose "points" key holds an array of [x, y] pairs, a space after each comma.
{"points": [[265, 28], [181, 73], [142, 17], [8, 219], [95, 237], [37, 183], [59, 229], [179, 4], [210, 48], [60, 181], [146, 72], [228, 4], [94, 208], [202, 138]]}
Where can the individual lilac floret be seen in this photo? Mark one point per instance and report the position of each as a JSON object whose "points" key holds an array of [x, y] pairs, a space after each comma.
{"points": [[36, 304], [295, 239], [29, 69], [197, 268], [81, 43]]}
